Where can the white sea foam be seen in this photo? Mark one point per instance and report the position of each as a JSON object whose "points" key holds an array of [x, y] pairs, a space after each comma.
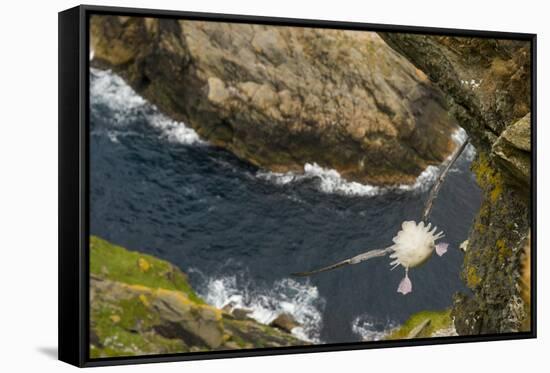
{"points": [[279, 178], [424, 181], [111, 90], [301, 300], [175, 131], [371, 329], [459, 136], [125, 106], [330, 180]]}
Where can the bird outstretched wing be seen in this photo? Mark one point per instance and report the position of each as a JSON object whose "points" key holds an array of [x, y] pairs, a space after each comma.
{"points": [[353, 260]]}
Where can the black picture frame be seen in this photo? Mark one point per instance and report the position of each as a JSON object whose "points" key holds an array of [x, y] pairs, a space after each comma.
{"points": [[74, 201]]}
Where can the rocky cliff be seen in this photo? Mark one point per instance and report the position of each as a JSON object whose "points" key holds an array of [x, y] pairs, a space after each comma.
{"points": [[142, 305], [488, 85], [280, 97], [367, 105]]}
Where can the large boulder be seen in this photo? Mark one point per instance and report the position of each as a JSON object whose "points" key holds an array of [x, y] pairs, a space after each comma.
{"points": [[280, 97], [488, 85], [285, 321], [513, 149]]}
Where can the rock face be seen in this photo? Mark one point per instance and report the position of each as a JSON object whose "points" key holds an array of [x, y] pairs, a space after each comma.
{"points": [[487, 83], [513, 149], [142, 305], [488, 80], [285, 322], [280, 97]]}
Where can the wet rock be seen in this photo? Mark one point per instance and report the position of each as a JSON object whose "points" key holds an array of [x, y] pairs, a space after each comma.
{"points": [[235, 312], [241, 313], [464, 246], [228, 307], [285, 321], [280, 97]]}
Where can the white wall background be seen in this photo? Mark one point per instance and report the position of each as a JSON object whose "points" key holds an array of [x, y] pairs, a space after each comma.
{"points": [[28, 184]]}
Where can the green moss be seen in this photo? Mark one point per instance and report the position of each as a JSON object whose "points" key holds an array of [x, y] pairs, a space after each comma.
{"points": [[126, 289], [134, 312], [118, 264], [438, 320], [239, 341], [118, 326]]}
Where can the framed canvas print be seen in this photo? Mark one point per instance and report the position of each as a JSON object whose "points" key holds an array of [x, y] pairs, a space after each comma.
{"points": [[236, 186]]}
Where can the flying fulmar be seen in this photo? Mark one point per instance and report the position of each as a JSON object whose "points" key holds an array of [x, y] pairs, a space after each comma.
{"points": [[412, 246], [414, 243]]}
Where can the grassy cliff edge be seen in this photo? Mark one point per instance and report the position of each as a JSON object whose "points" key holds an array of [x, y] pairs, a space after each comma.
{"points": [[142, 305]]}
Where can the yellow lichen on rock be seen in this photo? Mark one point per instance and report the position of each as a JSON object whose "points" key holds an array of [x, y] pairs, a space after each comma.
{"points": [[487, 176], [472, 278], [144, 300], [503, 250], [488, 85], [143, 265]]}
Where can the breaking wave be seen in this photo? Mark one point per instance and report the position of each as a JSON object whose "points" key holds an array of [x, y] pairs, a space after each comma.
{"points": [[369, 328], [459, 136], [125, 106], [301, 300], [330, 181]]}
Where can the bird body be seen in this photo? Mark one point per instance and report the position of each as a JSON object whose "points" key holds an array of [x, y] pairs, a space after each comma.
{"points": [[414, 244]]}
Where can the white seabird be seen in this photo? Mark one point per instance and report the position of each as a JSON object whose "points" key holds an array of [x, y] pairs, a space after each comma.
{"points": [[413, 246]]}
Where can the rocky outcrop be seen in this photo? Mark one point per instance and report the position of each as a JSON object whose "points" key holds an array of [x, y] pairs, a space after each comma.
{"points": [[143, 305], [285, 322], [280, 97], [487, 79], [488, 85], [512, 149]]}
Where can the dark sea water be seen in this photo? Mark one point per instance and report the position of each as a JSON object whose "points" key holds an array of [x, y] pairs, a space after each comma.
{"points": [[239, 232]]}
